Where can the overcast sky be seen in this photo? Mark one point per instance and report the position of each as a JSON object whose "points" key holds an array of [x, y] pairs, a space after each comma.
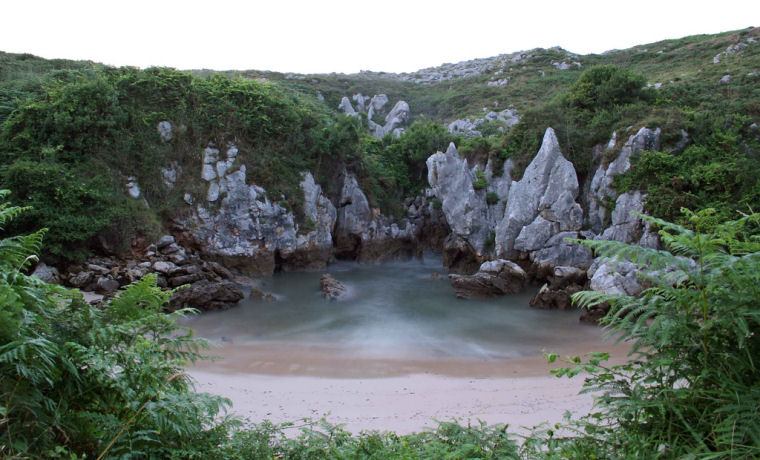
{"points": [[346, 36]]}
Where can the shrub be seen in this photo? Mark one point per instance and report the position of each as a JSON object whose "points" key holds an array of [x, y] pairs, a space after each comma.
{"points": [[86, 381], [605, 86], [691, 388], [492, 198], [481, 182]]}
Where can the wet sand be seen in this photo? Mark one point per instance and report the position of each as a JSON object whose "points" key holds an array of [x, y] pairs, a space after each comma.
{"points": [[287, 384]]}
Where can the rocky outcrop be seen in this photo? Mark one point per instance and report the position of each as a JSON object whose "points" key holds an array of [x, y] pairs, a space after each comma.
{"points": [[205, 285], [243, 229], [395, 120], [313, 247], [538, 218], [470, 128], [543, 200], [465, 209], [364, 234], [600, 191], [494, 278], [332, 289]]}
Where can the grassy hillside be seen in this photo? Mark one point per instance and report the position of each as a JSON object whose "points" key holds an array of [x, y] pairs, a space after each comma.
{"points": [[73, 133]]}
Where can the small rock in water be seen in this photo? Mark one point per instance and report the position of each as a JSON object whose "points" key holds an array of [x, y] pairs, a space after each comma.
{"points": [[332, 289], [257, 293]]}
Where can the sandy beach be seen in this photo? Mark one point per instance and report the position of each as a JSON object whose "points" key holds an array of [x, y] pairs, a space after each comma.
{"points": [[289, 384]]}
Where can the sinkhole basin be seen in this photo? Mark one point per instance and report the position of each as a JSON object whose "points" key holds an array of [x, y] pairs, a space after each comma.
{"points": [[397, 318]]}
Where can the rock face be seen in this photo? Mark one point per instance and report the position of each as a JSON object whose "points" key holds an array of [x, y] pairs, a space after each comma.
{"points": [[242, 229], [395, 120], [365, 235], [543, 200], [600, 190], [538, 218], [332, 289], [465, 209], [494, 278]]}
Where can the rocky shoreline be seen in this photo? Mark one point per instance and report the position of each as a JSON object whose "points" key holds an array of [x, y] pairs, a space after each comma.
{"points": [[495, 239]]}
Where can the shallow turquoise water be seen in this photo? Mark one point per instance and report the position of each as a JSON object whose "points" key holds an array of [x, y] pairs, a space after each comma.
{"points": [[394, 310]]}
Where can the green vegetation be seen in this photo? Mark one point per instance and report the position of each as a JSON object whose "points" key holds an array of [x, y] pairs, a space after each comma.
{"points": [[720, 170], [690, 389], [73, 132], [394, 168], [78, 381], [480, 181]]}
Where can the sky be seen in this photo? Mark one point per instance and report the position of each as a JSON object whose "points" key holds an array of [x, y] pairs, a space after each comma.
{"points": [[346, 36]]}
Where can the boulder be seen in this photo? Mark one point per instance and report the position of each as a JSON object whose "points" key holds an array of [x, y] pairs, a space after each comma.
{"points": [[82, 279], [206, 295], [614, 277], [47, 273], [163, 267], [494, 278], [164, 241], [106, 285], [165, 130], [554, 299], [332, 289]]}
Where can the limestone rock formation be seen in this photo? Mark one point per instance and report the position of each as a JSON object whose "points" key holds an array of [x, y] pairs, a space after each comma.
{"points": [[165, 130], [465, 209], [601, 191], [544, 197], [346, 107], [248, 232], [494, 278], [363, 234], [395, 120]]}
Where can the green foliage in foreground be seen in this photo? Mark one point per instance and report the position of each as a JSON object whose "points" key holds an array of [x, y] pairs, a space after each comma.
{"points": [[79, 381], [692, 388]]}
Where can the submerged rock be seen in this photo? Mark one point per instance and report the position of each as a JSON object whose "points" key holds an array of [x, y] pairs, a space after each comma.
{"points": [[332, 289]]}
